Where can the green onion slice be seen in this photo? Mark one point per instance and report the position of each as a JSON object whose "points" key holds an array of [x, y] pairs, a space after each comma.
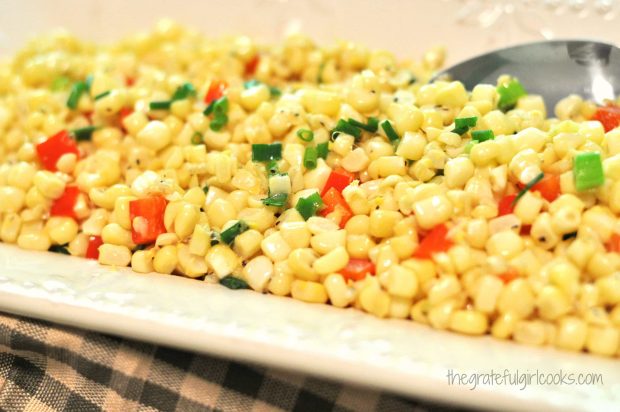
{"points": [[274, 91], [219, 120], [262, 152], [83, 134], [228, 236], [197, 138], [160, 105], [62, 249], [322, 149], [389, 131], [60, 83], [308, 206], [310, 158], [251, 83], [76, 92], [205, 189], [184, 91], [305, 135], [509, 94], [276, 199], [371, 126], [528, 187], [345, 127], [588, 171], [232, 282], [482, 135], [102, 95], [463, 124]]}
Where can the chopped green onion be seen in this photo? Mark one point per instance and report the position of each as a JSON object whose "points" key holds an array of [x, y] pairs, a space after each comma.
{"points": [[196, 138], [310, 158], [588, 171], [215, 238], [463, 124], [372, 125], [84, 133], [509, 94], [205, 189], [308, 206], [528, 187], [217, 106], [89, 81], [234, 283], [102, 95], [389, 131], [76, 92], [345, 127], [482, 135], [305, 134], [60, 83], [184, 91], [262, 152], [273, 168], [468, 146], [412, 80], [220, 120], [251, 83], [62, 249], [228, 236], [322, 149], [276, 199], [160, 105], [274, 91]]}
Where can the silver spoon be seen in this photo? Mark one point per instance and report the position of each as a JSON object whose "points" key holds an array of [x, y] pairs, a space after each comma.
{"points": [[553, 69]]}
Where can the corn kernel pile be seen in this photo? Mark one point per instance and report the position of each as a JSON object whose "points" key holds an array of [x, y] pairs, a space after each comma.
{"points": [[329, 174]]}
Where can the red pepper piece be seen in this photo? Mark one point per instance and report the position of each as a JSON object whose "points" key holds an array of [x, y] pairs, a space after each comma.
{"points": [[54, 147], [613, 245], [151, 211], [435, 241], [216, 90], [548, 187], [509, 275], [339, 179], [250, 67], [505, 206], [92, 252], [609, 116], [358, 269], [65, 204], [129, 81], [333, 201]]}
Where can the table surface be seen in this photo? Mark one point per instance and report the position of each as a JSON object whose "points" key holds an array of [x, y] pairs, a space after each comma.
{"points": [[50, 367]]}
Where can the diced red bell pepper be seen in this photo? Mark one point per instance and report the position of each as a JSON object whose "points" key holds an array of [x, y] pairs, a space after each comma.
{"points": [[609, 116], [65, 204], [525, 230], [151, 210], [435, 241], [505, 205], [92, 252], [124, 112], [548, 187], [358, 269], [613, 245], [54, 147], [216, 90], [333, 201], [339, 179], [129, 81], [509, 275], [250, 67]]}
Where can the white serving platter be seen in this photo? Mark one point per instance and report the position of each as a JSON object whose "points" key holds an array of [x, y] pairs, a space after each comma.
{"points": [[346, 345]]}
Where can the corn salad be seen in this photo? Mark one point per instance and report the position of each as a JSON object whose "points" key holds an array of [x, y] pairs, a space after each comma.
{"points": [[329, 174]]}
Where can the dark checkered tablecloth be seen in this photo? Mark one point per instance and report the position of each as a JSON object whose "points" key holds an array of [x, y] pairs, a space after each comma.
{"points": [[48, 367]]}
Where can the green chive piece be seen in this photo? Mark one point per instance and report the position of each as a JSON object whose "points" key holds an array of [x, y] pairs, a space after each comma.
{"points": [[310, 158], [463, 124], [370, 127], [262, 152], [305, 135], [308, 206], [219, 121], [468, 146], [528, 187], [251, 83], [102, 95], [588, 171], [89, 81], [184, 91], [196, 138], [219, 110], [60, 83], [160, 105], [62, 249], [322, 150], [482, 135], [274, 91], [215, 238], [76, 92], [273, 168], [389, 131], [228, 236], [205, 189], [84, 134], [276, 199], [234, 283], [345, 127], [509, 94]]}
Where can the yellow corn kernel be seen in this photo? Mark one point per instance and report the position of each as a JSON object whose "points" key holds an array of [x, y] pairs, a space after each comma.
{"points": [[358, 246], [440, 314], [375, 301], [200, 241], [166, 259], [311, 292], [296, 234], [220, 212], [142, 261], [401, 282], [155, 135], [257, 272], [301, 261], [340, 295], [248, 243], [11, 225], [542, 232], [529, 332], [115, 234], [411, 146], [603, 340], [516, 297], [332, 261], [321, 102], [222, 260], [259, 219], [552, 303], [469, 322], [458, 171], [114, 255], [21, 175], [572, 334], [185, 220], [506, 244], [327, 241], [432, 211], [447, 287], [275, 247], [504, 325], [609, 289], [487, 293], [355, 161], [61, 230], [282, 279]]}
